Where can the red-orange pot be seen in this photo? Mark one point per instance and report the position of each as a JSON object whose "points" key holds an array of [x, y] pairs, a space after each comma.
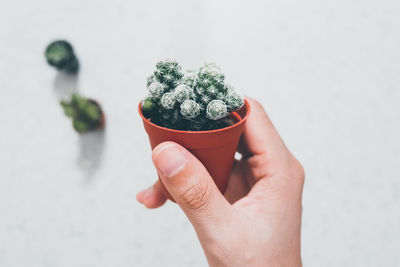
{"points": [[215, 149], [102, 121]]}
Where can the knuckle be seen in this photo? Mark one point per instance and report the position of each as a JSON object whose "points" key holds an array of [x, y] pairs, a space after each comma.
{"points": [[256, 103], [298, 170], [195, 197], [295, 169]]}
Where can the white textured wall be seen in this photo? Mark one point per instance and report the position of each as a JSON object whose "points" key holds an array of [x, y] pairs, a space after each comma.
{"points": [[328, 73]]}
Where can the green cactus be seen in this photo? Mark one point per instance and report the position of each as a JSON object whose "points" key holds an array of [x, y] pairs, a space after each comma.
{"points": [[216, 109], [192, 100], [190, 109], [210, 81], [60, 54], [86, 114], [169, 73]]}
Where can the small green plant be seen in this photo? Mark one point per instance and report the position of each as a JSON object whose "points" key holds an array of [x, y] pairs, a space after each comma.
{"points": [[60, 55], [190, 100], [86, 114]]}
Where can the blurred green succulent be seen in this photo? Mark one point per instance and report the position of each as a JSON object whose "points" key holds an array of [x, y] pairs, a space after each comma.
{"points": [[86, 114], [60, 55], [191, 100]]}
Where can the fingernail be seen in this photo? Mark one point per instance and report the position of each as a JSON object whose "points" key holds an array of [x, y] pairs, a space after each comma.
{"points": [[170, 160]]}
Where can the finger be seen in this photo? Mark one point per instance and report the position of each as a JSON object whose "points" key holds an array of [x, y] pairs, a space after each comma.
{"points": [[271, 165], [260, 135], [261, 145], [189, 183], [152, 197], [238, 185]]}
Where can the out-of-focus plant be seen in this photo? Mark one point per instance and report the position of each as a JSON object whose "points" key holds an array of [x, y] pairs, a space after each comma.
{"points": [[86, 114], [60, 55]]}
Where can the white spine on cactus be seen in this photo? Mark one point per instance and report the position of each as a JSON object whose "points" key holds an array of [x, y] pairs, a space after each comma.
{"points": [[190, 109], [216, 110], [170, 65], [200, 90], [205, 99], [189, 78], [212, 90], [168, 100], [234, 100], [221, 96], [156, 89], [182, 92], [168, 77]]}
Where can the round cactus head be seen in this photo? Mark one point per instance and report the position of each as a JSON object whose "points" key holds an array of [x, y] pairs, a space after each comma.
{"points": [[149, 104], [216, 110], [183, 92], [210, 80], [156, 89], [168, 72], [190, 109], [234, 100], [168, 100]]}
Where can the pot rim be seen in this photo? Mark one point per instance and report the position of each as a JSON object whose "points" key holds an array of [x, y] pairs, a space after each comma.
{"points": [[241, 121]]}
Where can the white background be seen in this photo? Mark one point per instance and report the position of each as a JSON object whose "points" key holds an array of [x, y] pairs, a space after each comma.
{"points": [[327, 72]]}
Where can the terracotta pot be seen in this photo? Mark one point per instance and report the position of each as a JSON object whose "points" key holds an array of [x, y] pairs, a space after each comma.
{"points": [[102, 120], [215, 149]]}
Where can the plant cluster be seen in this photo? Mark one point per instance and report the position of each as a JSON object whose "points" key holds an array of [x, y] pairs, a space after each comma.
{"points": [[60, 55], [86, 114], [190, 100]]}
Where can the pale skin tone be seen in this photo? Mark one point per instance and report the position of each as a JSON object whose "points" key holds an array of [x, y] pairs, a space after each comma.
{"points": [[257, 222]]}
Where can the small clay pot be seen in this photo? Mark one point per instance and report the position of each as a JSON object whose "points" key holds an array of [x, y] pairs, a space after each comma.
{"points": [[215, 149], [102, 121]]}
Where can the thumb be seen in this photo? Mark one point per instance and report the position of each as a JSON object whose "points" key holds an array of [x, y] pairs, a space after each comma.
{"points": [[192, 187]]}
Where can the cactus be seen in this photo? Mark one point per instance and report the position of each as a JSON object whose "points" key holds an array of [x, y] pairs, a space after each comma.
{"points": [[190, 109], [169, 73], [190, 100], [86, 114], [216, 109], [60, 54]]}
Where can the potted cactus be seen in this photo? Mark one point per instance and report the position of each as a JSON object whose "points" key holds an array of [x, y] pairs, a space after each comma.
{"points": [[60, 55], [198, 110], [86, 114]]}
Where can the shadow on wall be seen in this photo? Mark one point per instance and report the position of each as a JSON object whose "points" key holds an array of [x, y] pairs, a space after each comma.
{"points": [[65, 85], [91, 153], [91, 143]]}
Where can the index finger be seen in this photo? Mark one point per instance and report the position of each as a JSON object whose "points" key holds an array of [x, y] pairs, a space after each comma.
{"points": [[260, 136]]}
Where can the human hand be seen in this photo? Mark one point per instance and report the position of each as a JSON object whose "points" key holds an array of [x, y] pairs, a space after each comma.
{"points": [[257, 221]]}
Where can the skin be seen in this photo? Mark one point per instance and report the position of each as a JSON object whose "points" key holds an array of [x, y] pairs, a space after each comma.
{"points": [[257, 222]]}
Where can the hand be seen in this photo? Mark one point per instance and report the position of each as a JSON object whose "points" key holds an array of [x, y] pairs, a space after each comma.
{"points": [[258, 220]]}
